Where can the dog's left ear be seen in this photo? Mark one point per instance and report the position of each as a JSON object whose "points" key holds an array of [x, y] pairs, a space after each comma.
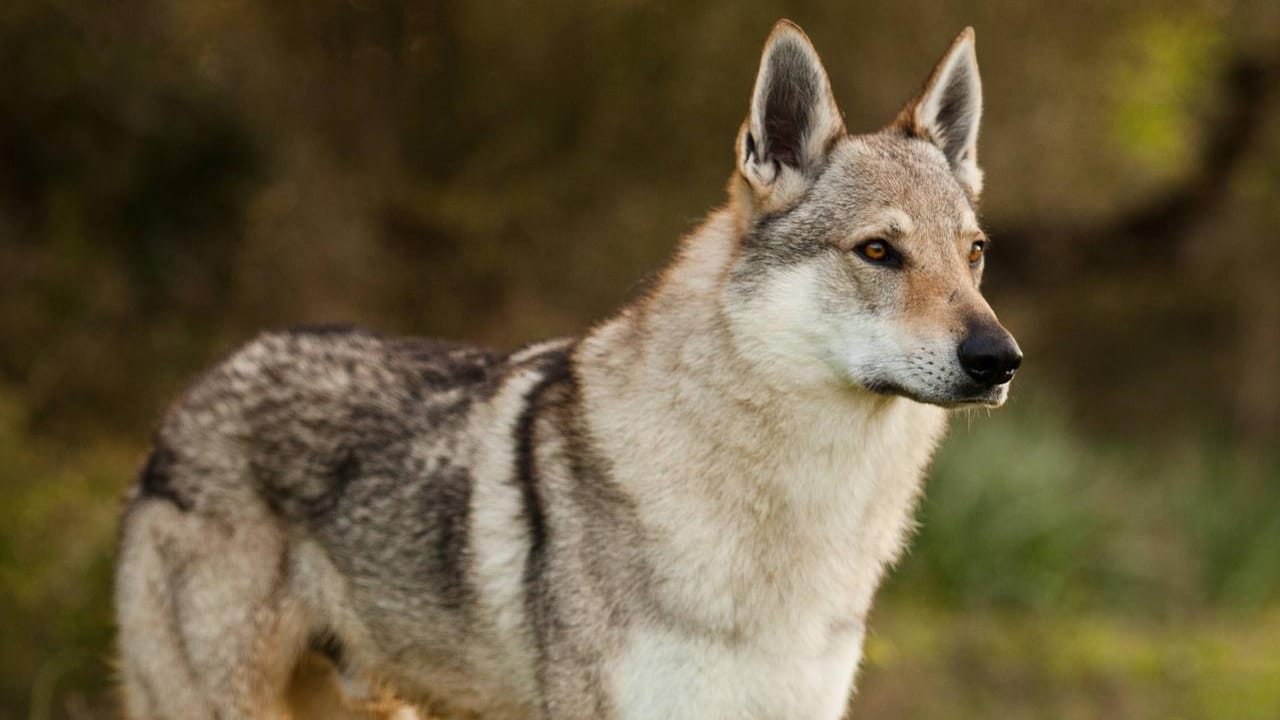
{"points": [[948, 111], [793, 120]]}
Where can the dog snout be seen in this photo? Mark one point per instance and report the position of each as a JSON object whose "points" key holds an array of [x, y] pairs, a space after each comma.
{"points": [[990, 356]]}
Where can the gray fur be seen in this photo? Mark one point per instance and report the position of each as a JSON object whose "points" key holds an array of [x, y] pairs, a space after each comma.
{"points": [[684, 513]]}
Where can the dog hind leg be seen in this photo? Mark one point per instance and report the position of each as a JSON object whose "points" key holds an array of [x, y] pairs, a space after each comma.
{"points": [[206, 625]]}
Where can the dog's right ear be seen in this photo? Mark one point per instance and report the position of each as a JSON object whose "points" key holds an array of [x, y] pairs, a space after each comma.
{"points": [[793, 121]]}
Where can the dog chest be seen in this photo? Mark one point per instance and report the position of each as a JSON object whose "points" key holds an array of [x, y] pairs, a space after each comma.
{"points": [[669, 675]]}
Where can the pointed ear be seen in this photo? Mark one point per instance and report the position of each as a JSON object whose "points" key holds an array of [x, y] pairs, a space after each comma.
{"points": [[793, 119], [948, 111]]}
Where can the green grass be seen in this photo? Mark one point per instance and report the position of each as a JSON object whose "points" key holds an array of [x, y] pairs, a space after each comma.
{"points": [[58, 509], [1023, 511], [1058, 575], [922, 663]]}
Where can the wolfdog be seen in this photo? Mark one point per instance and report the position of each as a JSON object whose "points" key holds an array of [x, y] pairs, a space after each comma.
{"points": [[683, 513]]}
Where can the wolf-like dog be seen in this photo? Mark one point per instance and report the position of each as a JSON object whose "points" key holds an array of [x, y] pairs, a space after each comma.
{"points": [[683, 513]]}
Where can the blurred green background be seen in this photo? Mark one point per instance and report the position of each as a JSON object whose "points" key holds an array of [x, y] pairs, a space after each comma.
{"points": [[175, 176]]}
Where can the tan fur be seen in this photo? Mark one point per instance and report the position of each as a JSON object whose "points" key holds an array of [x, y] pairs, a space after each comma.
{"points": [[684, 514]]}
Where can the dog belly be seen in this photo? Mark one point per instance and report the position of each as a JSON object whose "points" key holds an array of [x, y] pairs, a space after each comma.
{"points": [[401, 639], [448, 678], [669, 676]]}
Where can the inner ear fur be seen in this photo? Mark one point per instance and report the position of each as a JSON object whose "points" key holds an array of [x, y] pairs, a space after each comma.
{"points": [[948, 111], [793, 119]]}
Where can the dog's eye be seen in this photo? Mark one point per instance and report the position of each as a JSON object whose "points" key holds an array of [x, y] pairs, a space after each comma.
{"points": [[975, 252], [879, 252]]}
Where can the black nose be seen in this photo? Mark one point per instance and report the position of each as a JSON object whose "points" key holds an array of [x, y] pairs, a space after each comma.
{"points": [[991, 357]]}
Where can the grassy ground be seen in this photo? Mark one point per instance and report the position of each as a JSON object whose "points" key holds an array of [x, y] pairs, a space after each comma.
{"points": [[924, 662], [58, 512], [1054, 576], [1057, 575]]}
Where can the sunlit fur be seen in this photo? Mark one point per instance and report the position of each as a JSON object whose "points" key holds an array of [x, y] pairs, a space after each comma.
{"points": [[832, 317], [682, 514]]}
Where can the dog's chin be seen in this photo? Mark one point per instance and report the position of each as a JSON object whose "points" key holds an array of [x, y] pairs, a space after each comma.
{"points": [[962, 396], [992, 397]]}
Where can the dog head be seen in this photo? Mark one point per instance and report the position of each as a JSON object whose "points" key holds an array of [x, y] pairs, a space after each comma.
{"points": [[861, 256]]}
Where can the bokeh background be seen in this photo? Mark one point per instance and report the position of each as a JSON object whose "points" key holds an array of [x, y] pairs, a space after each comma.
{"points": [[175, 176]]}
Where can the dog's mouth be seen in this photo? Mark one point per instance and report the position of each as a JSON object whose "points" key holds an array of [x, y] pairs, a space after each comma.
{"points": [[989, 396], [962, 396]]}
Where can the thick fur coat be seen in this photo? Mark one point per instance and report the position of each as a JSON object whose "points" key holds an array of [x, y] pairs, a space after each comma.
{"points": [[683, 513]]}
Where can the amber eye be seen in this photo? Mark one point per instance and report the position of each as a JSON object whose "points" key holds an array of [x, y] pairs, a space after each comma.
{"points": [[975, 252], [879, 252]]}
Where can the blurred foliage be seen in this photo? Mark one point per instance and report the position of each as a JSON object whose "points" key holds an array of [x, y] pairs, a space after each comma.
{"points": [[175, 176], [1093, 578], [1025, 511], [929, 665], [1165, 80], [58, 511]]}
